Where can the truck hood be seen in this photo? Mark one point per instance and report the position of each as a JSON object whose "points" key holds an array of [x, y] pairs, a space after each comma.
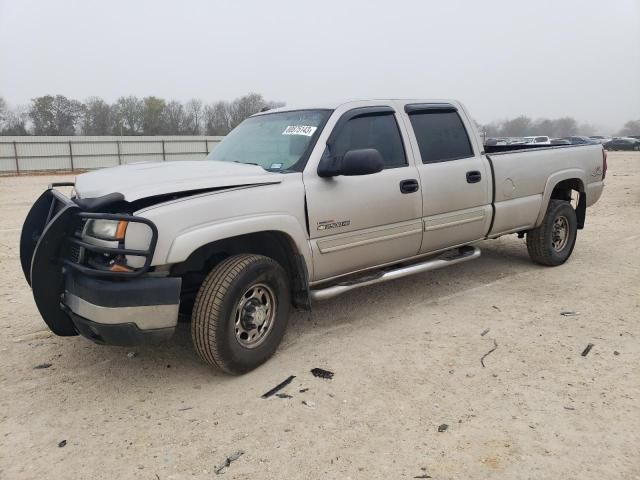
{"points": [[143, 180]]}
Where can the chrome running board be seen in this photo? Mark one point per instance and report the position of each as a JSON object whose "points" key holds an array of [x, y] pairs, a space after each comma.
{"points": [[453, 257]]}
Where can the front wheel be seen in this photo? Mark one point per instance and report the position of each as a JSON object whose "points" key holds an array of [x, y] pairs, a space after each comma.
{"points": [[241, 313], [552, 242]]}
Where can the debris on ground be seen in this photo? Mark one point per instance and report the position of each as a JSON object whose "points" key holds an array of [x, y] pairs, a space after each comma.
{"points": [[424, 475], [497, 308], [184, 409], [283, 395], [569, 313], [62, 443], [484, 332], [302, 390], [569, 408], [443, 428], [309, 403], [495, 345], [279, 387], [42, 365], [321, 373], [132, 354], [231, 458], [586, 351], [616, 353]]}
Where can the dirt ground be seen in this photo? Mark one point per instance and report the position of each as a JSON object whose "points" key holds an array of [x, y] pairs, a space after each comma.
{"points": [[406, 357]]}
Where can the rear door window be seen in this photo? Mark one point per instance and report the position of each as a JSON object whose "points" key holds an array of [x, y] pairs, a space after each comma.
{"points": [[441, 135]]}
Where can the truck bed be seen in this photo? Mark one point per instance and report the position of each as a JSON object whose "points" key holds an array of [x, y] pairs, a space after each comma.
{"points": [[521, 180]]}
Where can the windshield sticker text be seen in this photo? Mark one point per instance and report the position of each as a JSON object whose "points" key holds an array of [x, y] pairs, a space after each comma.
{"points": [[305, 130]]}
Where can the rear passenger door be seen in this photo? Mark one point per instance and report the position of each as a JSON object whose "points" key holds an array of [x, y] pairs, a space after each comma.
{"points": [[455, 176]]}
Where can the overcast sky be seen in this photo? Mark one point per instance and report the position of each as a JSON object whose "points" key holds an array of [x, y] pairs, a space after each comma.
{"points": [[500, 57]]}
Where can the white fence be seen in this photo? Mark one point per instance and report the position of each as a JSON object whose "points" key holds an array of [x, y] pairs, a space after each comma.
{"points": [[30, 154]]}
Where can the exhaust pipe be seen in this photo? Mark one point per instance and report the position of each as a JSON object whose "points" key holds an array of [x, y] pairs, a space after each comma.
{"points": [[463, 254]]}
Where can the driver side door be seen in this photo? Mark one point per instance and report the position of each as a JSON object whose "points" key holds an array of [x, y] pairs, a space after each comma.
{"points": [[356, 222]]}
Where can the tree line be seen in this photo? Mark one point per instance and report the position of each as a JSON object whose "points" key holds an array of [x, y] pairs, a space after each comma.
{"points": [[59, 115], [554, 127]]}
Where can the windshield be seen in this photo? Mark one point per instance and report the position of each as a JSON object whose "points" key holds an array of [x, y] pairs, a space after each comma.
{"points": [[274, 141]]}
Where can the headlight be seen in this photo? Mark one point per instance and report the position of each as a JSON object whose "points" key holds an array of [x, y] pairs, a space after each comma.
{"points": [[106, 229]]}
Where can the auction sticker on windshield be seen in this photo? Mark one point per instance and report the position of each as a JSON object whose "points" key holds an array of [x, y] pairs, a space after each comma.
{"points": [[305, 130]]}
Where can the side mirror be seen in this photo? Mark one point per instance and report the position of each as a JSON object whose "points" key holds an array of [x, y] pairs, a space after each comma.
{"points": [[364, 161]]}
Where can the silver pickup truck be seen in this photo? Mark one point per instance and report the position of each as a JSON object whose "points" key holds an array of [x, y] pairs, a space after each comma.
{"points": [[295, 205]]}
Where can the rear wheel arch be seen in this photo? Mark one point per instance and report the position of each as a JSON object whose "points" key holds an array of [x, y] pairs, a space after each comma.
{"points": [[561, 187]]}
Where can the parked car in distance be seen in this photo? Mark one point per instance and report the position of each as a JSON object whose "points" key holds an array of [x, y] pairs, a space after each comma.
{"points": [[580, 140], [496, 141], [600, 139], [623, 143], [560, 141], [539, 140]]}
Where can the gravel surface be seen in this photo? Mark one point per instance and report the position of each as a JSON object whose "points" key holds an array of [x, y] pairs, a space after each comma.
{"points": [[409, 397]]}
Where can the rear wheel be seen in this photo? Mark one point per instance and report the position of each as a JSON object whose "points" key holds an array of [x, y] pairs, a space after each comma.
{"points": [[241, 312], [552, 242]]}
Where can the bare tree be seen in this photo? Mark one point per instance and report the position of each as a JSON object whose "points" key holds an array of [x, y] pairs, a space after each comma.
{"points": [[15, 120], [98, 117], [153, 115], [632, 127], [194, 115], [55, 115], [4, 110], [174, 118], [127, 112], [216, 117]]}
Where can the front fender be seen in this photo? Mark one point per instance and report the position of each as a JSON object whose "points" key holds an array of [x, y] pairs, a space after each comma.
{"points": [[189, 241]]}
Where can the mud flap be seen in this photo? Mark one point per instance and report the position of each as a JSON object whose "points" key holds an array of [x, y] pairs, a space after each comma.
{"points": [[42, 268]]}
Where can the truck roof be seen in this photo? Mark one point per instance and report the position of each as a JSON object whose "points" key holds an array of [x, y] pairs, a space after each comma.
{"points": [[336, 104]]}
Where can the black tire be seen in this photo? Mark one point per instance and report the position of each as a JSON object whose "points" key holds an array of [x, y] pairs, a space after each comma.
{"points": [[214, 330], [542, 242]]}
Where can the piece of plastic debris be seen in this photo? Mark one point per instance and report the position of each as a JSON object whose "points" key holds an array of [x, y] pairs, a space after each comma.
{"points": [[42, 365], [586, 351], [62, 443], [132, 354], [309, 403], [302, 390], [279, 387], [484, 332], [569, 314], [227, 461], [443, 428], [283, 395], [321, 373]]}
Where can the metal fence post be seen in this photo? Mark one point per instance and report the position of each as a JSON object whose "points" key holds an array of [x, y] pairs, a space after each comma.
{"points": [[71, 155], [164, 157], [15, 153], [206, 146], [118, 147]]}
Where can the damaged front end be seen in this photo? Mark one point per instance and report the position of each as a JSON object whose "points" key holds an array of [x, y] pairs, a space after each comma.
{"points": [[87, 278]]}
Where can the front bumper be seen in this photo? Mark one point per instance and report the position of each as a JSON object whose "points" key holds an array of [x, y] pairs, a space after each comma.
{"points": [[122, 308], [139, 310]]}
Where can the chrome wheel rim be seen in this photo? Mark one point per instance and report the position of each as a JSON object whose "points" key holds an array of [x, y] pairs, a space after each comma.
{"points": [[254, 315], [560, 233]]}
